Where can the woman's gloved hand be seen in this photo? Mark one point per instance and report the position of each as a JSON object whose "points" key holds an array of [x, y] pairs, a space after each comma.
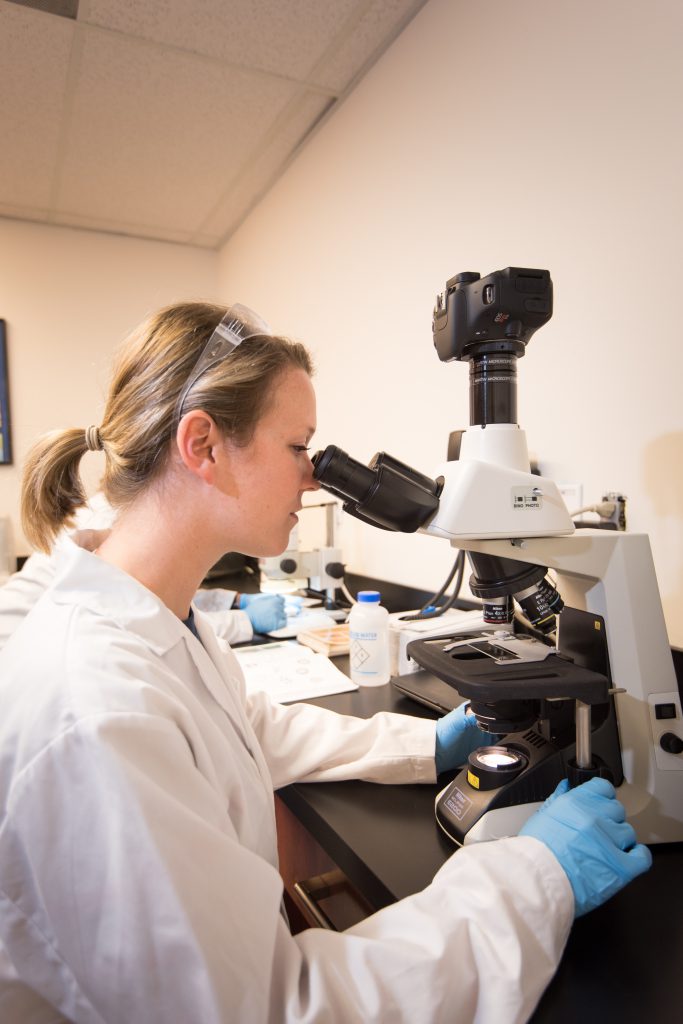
{"points": [[266, 611], [457, 735], [586, 829]]}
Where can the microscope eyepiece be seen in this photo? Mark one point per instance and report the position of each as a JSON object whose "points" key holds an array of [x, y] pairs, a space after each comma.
{"points": [[343, 476], [385, 493]]}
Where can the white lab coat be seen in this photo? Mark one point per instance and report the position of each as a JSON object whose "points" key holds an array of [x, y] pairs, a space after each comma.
{"points": [[138, 863], [21, 591]]}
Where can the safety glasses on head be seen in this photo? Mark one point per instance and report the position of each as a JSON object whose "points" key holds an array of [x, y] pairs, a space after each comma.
{"points": [[239, 324]]}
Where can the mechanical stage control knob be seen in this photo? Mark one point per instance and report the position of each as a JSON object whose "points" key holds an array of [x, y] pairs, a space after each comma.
{"points": [[671, 743], [335, 570]]}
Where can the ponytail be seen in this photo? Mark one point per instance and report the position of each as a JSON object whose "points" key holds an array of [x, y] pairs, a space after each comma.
{"points": [[51, 487]]}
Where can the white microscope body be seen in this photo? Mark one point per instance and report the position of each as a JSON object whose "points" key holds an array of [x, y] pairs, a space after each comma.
{"points": [[490, 492], [612, 575], [483, 509], [515, 527]]}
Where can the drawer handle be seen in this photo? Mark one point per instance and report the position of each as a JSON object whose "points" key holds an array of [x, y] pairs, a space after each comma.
{"points": [[317, 888]]}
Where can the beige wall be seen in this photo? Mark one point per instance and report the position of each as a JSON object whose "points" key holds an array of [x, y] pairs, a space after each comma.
{"points": [[541, 133], [68, 298]]}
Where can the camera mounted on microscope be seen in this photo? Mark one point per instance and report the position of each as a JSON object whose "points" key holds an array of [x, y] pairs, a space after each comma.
{"points": [[498, 313], [488, 322]]}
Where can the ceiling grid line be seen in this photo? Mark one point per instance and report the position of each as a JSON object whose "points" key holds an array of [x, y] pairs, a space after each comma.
{"points": [[206, 58], [75, 54], [286, 115]]}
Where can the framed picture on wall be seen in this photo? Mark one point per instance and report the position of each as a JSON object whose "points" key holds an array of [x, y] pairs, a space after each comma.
{"points": [[5, 429]]}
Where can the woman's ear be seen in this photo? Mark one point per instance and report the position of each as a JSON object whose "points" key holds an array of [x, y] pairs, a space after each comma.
{"points": [[197, 438]]}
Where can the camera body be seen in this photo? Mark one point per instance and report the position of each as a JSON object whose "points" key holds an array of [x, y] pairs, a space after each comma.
{"points": [[498, 313]]}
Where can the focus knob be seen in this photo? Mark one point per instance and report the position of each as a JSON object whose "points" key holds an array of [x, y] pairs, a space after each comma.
{"points": [[288, 565], [335, 570], [672, 743]]}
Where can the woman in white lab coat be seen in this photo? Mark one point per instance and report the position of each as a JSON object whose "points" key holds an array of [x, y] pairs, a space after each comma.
{"points": [[138, 864]]}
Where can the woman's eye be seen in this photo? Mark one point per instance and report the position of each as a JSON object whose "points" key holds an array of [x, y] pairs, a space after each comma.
{"points": [[298, 448]]}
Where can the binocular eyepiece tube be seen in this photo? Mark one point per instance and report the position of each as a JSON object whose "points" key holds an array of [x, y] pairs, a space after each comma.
{"points": [[385, 493], [392, 496]]}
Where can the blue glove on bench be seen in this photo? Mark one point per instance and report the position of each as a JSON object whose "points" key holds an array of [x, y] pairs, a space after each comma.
{"points": [[266, 611]]}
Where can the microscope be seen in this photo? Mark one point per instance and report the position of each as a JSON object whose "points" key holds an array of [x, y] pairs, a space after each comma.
{"points": [[321, 566], [573, 671]]}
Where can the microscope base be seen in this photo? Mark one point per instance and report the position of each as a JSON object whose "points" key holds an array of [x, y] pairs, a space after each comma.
{"points": [[468, 814], [499, 823]]}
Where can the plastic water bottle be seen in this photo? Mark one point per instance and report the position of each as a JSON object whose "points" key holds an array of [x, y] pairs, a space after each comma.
{"points": [[369, 633]]}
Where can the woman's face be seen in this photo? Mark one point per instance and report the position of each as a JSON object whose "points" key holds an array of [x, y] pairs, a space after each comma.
{"points": [[270, 474]]}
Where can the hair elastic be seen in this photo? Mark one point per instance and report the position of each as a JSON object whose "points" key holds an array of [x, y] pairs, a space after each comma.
{"points": [[93, 441]]}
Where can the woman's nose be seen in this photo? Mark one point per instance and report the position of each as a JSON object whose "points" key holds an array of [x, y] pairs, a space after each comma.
{"points": [[310, 483]]}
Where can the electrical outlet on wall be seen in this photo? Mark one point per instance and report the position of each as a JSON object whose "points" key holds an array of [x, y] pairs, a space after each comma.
{"points": [[572, 495]]}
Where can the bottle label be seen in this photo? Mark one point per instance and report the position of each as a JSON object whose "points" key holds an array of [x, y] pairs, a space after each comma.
{"points": [[369, 647], [367, 657], [362, 660]]}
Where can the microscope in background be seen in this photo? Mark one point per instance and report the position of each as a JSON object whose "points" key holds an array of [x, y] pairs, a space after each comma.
{"points": [[317, 573], [576, 685]]}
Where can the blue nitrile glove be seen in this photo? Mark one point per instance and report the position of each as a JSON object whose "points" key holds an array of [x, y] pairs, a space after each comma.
{"points": [[293, 606], [457, 735], [586, 830], [266, 611]]}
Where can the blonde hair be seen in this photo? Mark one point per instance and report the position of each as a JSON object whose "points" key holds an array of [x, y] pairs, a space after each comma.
{"points": [[138, 425]]}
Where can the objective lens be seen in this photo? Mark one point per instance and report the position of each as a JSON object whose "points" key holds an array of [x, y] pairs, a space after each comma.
{"points": [[541, 603], [498, 611]]}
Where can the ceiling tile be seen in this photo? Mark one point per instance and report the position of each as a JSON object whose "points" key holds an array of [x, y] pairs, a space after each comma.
{"points": [[155, 134], [375, 28], [169, 119], [32, 86], [282, 38], [263, 167]]}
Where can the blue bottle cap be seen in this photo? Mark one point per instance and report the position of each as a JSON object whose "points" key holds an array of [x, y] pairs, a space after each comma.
{"points": [[369, 596]]}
